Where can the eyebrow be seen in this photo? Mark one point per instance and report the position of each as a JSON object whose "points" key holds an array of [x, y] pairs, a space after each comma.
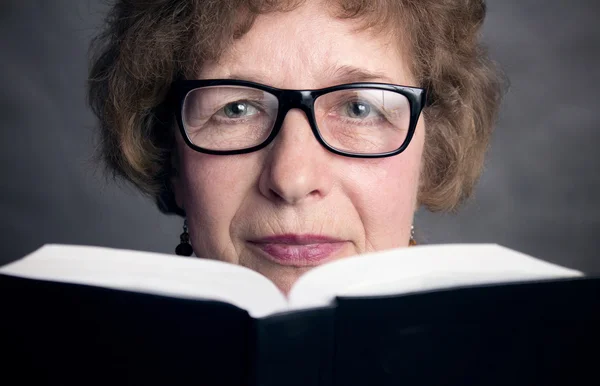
{"points": [[331, 76], [351, 74]]}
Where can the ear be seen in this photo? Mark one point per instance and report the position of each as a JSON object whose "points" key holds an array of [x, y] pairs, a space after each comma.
{"points": [[175, 180], [177, 196], [172, 197]]}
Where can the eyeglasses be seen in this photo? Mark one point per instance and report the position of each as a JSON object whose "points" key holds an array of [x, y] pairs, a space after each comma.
{"points": [[363, 120]]}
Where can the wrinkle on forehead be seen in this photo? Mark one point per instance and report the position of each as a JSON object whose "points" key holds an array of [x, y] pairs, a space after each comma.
{"points": [[309, 46], [378, 21]]}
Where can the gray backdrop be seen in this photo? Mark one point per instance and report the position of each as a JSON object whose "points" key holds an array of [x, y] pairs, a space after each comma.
{"points": [[539, 193]]}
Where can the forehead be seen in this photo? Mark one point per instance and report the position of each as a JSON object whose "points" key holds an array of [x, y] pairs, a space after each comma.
{"points": [[309, 47]]}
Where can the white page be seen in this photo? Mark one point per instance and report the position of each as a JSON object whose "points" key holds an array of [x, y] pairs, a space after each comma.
{"points": [[383, 273], [152, 273], [419, 268]]}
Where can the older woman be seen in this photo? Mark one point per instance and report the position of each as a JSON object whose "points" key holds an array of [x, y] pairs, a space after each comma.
{"points": [[293, 133]]}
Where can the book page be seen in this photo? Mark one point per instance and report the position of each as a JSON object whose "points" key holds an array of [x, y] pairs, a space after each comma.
{"points": [[419, 268], [153, 273]]}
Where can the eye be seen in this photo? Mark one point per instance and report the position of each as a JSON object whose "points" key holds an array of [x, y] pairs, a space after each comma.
{"points": [[358, 109], [239, 109]]}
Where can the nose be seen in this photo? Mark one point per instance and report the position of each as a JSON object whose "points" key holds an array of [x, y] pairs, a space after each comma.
{"points": [[296, 169]]}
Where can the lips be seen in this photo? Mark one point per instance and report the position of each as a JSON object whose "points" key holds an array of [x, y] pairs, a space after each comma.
{"points": [[298, 250]]}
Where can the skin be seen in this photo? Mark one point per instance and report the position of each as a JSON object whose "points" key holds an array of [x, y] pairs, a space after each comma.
{"points": [[294, 185]]}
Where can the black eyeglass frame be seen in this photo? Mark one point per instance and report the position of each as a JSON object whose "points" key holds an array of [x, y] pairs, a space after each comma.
{"points": [[297, 99]]}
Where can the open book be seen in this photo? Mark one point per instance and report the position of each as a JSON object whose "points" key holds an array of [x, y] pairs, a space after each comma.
{"points": [[425, 315], [391, 272]]}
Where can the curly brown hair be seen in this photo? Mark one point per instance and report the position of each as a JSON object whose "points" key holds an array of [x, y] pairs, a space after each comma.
{"points": [[146, 45]]}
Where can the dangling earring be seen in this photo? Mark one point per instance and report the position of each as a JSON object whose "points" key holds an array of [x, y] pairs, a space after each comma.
{"points": [[184, 248], [411, 241]]}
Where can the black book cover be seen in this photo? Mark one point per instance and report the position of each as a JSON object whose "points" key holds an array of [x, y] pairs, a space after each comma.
{"points": [[294, 348], [539, 333], [517, 334], [67, 334]]}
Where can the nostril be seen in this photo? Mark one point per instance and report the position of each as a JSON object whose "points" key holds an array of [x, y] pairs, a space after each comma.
{"points": [[275, 196]]}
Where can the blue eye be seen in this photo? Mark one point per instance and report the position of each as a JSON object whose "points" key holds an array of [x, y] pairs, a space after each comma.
{"points": [[358, 109], [239, 110]]}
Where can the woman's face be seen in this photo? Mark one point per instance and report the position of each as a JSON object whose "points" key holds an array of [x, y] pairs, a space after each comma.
{"points": [[293, 205]]}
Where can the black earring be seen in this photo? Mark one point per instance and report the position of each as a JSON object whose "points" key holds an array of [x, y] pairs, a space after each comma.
{"points": [[184, 248]]}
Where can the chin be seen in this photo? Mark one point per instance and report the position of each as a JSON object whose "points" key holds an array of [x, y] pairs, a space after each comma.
{"points": [[285, 279]]}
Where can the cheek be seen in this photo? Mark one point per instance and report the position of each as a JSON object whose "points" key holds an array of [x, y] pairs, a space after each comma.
{"points": [[384, 194], [386, 188], [214, 188]]}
